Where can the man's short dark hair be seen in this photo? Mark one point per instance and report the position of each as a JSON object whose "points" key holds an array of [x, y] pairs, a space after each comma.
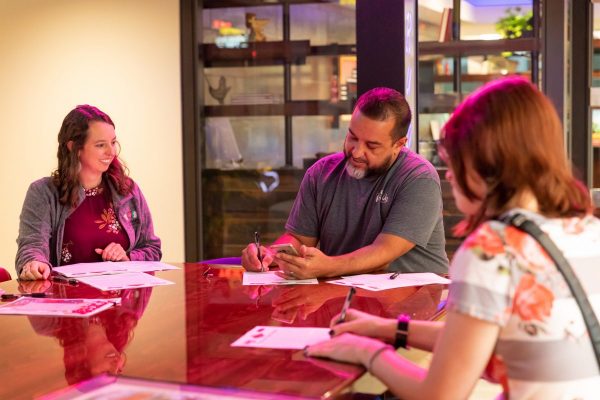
{"points": [[382, 103]]}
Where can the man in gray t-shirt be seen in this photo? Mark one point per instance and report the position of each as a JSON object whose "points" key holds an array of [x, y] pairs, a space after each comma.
{"points": [[376, 205]]}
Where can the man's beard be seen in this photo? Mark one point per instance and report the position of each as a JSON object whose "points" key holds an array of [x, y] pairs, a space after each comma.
{"points": [[359, 173]]}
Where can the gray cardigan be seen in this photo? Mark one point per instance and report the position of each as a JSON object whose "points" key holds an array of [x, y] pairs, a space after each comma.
{"points": [[42, 223]]}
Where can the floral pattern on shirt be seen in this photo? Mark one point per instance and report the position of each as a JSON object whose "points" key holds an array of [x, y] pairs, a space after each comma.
{"points": [[109, 221], [94, 191], [65, 254], [532, 300]]}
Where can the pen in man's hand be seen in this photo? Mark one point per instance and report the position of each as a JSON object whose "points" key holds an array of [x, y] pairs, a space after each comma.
{"points": [[346, 305], [257, 243], [395, 275]]}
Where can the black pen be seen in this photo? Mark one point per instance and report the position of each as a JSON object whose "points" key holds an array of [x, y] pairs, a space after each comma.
{"points": [[61, 279], [12, 296], [346, 305], [257, 244], [395, 275]]}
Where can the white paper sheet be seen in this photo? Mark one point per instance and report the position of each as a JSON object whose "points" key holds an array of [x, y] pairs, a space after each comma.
{"points": [[130, 280], [377, 282], [270, 278], [109, 267], [278, 337], [78, 308]]}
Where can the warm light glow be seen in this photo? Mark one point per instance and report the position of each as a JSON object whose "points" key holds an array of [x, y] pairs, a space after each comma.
{"points": [[219, 23], [490, 36]]}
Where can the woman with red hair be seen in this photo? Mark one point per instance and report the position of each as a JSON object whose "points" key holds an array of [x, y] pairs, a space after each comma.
{"points": [[510, 313]]}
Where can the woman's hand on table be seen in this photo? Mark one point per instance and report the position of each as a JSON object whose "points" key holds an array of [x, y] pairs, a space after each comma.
{"points": [[346, 348], [35, 270], [113, 252], [365, 324]]}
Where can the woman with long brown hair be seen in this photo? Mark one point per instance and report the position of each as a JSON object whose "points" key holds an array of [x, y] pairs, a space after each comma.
{"points": [[509, 311], [89, 209]]}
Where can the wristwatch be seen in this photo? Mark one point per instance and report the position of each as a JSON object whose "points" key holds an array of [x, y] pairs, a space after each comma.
{"points": [[402, 331]]}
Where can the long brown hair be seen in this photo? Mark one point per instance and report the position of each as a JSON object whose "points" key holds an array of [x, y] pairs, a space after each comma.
{"points": [[509, 133], [75, 129]]}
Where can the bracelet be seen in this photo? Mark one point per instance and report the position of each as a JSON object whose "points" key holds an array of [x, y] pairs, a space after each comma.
{"points": [[402, 331], [376, 354]]}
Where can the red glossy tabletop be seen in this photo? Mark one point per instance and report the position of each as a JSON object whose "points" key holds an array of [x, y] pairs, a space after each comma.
{"points": [[182, 333]]}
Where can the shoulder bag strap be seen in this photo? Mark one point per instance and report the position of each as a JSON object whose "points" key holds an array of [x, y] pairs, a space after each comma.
{"points": [[521, 222]]}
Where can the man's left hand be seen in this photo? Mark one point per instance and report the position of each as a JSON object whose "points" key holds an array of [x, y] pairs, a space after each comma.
{"points": [[312, 263]]}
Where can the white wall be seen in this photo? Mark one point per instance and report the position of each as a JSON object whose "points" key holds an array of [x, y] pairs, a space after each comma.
{"points": [[119, 55]]}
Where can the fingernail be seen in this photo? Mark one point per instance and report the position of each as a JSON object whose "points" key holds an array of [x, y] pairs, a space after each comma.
{"points": [[331, 332]]}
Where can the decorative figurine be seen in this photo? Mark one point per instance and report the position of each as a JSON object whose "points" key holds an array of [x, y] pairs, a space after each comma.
{"points": [[220, 91], [256, 27]]}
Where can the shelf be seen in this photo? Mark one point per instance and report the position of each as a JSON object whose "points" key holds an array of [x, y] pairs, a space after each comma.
{"points": [[254, 3], [478, 47], [292, 108], [477, 77], [257, 53]]}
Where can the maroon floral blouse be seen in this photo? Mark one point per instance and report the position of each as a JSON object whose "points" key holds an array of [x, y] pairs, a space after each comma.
{"points": [[93, 225]]}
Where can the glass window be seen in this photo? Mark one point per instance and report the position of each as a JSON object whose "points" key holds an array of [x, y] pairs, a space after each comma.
{"points": [[317, 136], [323, 24], [229, 27], [495, 19]]}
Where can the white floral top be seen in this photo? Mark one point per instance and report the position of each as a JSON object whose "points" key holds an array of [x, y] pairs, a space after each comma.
{"points": [[500, 274]]}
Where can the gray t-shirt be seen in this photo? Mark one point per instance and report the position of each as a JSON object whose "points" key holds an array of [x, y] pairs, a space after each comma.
{"points": [[345, 214]]}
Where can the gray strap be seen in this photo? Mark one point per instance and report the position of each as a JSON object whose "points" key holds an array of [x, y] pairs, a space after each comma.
{"points": [[521, 222]]}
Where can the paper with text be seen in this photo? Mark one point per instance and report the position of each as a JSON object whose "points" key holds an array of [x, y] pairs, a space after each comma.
{"points": [[130, 280], [109, 267], [78, 308], [278, 337], [376, 282], [270, 278]]}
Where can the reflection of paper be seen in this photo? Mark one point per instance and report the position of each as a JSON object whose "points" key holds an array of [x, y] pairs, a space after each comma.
{"points": [[270, 278], [376, 282], [108, 267], [130, 280], [57, 307], [277, 337]]}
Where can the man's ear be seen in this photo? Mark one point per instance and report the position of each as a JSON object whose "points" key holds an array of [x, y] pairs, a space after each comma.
{"points": [[70, 145], [399, 144]]}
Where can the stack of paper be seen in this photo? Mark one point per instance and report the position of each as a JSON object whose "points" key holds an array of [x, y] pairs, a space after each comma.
{"points": [[376, 282], [116, 275]]}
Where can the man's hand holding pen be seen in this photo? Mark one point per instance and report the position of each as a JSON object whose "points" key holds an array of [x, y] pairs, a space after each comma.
{"points": [[256, 257]]}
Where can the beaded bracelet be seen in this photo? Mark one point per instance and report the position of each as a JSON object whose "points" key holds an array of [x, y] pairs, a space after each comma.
{"points": [[376, 354], [402, 331]]}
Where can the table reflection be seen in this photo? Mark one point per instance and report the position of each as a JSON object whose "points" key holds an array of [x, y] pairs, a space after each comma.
{"points": [[182, 333], [95, 345]]}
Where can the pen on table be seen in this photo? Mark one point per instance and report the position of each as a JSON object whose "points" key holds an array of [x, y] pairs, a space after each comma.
{"points": [[346, 305], [395, 275], [257, 244], [61, 279], [12, 296]]}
